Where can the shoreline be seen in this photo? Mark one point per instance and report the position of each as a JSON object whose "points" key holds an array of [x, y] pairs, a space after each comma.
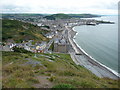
{"points": [[89, 62], [113, 71]]}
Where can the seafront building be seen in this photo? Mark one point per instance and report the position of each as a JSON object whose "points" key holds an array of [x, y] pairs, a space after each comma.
{"points": [[60, 45]]}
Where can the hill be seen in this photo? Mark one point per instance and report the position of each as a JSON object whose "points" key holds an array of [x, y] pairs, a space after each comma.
{"points": [[68, 16], [6, 16], [22, 70], [19, 31], [83, 15], [58, 16]]}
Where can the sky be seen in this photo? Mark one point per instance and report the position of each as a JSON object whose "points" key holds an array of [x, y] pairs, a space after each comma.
{"points": [[103, 7]]}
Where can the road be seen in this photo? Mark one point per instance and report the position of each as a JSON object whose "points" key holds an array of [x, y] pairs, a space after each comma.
{"points": [[48, 46]]}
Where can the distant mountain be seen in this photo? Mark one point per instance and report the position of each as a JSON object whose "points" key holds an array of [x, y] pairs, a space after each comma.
{"points": [[19, 31], [84, 15], [6, 16]]}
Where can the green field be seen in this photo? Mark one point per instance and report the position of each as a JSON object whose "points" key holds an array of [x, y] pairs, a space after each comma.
{"points": [[22, 70]]}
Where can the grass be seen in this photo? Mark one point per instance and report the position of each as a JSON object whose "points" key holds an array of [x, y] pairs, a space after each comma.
{"points": [[19, 31], [17, 74], [0, 70], [63, 86]]}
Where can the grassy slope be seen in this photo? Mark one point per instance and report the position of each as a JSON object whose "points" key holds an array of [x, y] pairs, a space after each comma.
{"points": [[58, 16], [83, 15], [0, 70], [68, 16], [16, 30], [61, 16], [17, 74]]}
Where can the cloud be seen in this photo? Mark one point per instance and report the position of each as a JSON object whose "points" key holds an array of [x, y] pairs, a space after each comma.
{"points": [[60, 6]]}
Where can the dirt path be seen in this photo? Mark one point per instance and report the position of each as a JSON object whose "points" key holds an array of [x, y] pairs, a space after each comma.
{"points": [[44, 82]]}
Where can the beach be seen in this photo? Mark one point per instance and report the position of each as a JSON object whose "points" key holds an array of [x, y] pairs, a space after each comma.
{"points": [[80, 57]]}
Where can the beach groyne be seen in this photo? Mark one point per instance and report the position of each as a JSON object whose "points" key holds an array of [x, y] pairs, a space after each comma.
{"points": [[80, 57]]}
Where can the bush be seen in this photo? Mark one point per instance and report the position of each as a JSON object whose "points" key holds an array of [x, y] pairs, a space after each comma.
{"points": [[22, 33], [86, 84], [64, 86], [52, 78]]}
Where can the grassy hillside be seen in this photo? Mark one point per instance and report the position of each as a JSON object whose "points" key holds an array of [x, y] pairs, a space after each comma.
{"points": [[68, 16], [58, 16], [18, 31], [61, 16], [22, 70], [83, 15]]}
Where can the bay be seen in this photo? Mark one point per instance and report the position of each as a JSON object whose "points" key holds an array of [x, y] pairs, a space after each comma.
{"points": [[100, 41]]}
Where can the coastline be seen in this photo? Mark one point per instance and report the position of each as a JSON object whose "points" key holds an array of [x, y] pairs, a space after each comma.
{"points": [[89, 62], [113, 71]]}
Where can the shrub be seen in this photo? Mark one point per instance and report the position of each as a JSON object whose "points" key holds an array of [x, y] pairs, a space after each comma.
{"points": [[22, 33], [64, 86], [33, 80], [86, 84], [52, 78]]}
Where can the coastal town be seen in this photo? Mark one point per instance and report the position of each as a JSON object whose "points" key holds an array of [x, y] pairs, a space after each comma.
{"points": [[58, 33], [61, 39], [59, 44]]}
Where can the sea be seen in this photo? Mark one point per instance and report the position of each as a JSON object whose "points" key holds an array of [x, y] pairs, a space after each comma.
{"points": [[100, 41]]}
